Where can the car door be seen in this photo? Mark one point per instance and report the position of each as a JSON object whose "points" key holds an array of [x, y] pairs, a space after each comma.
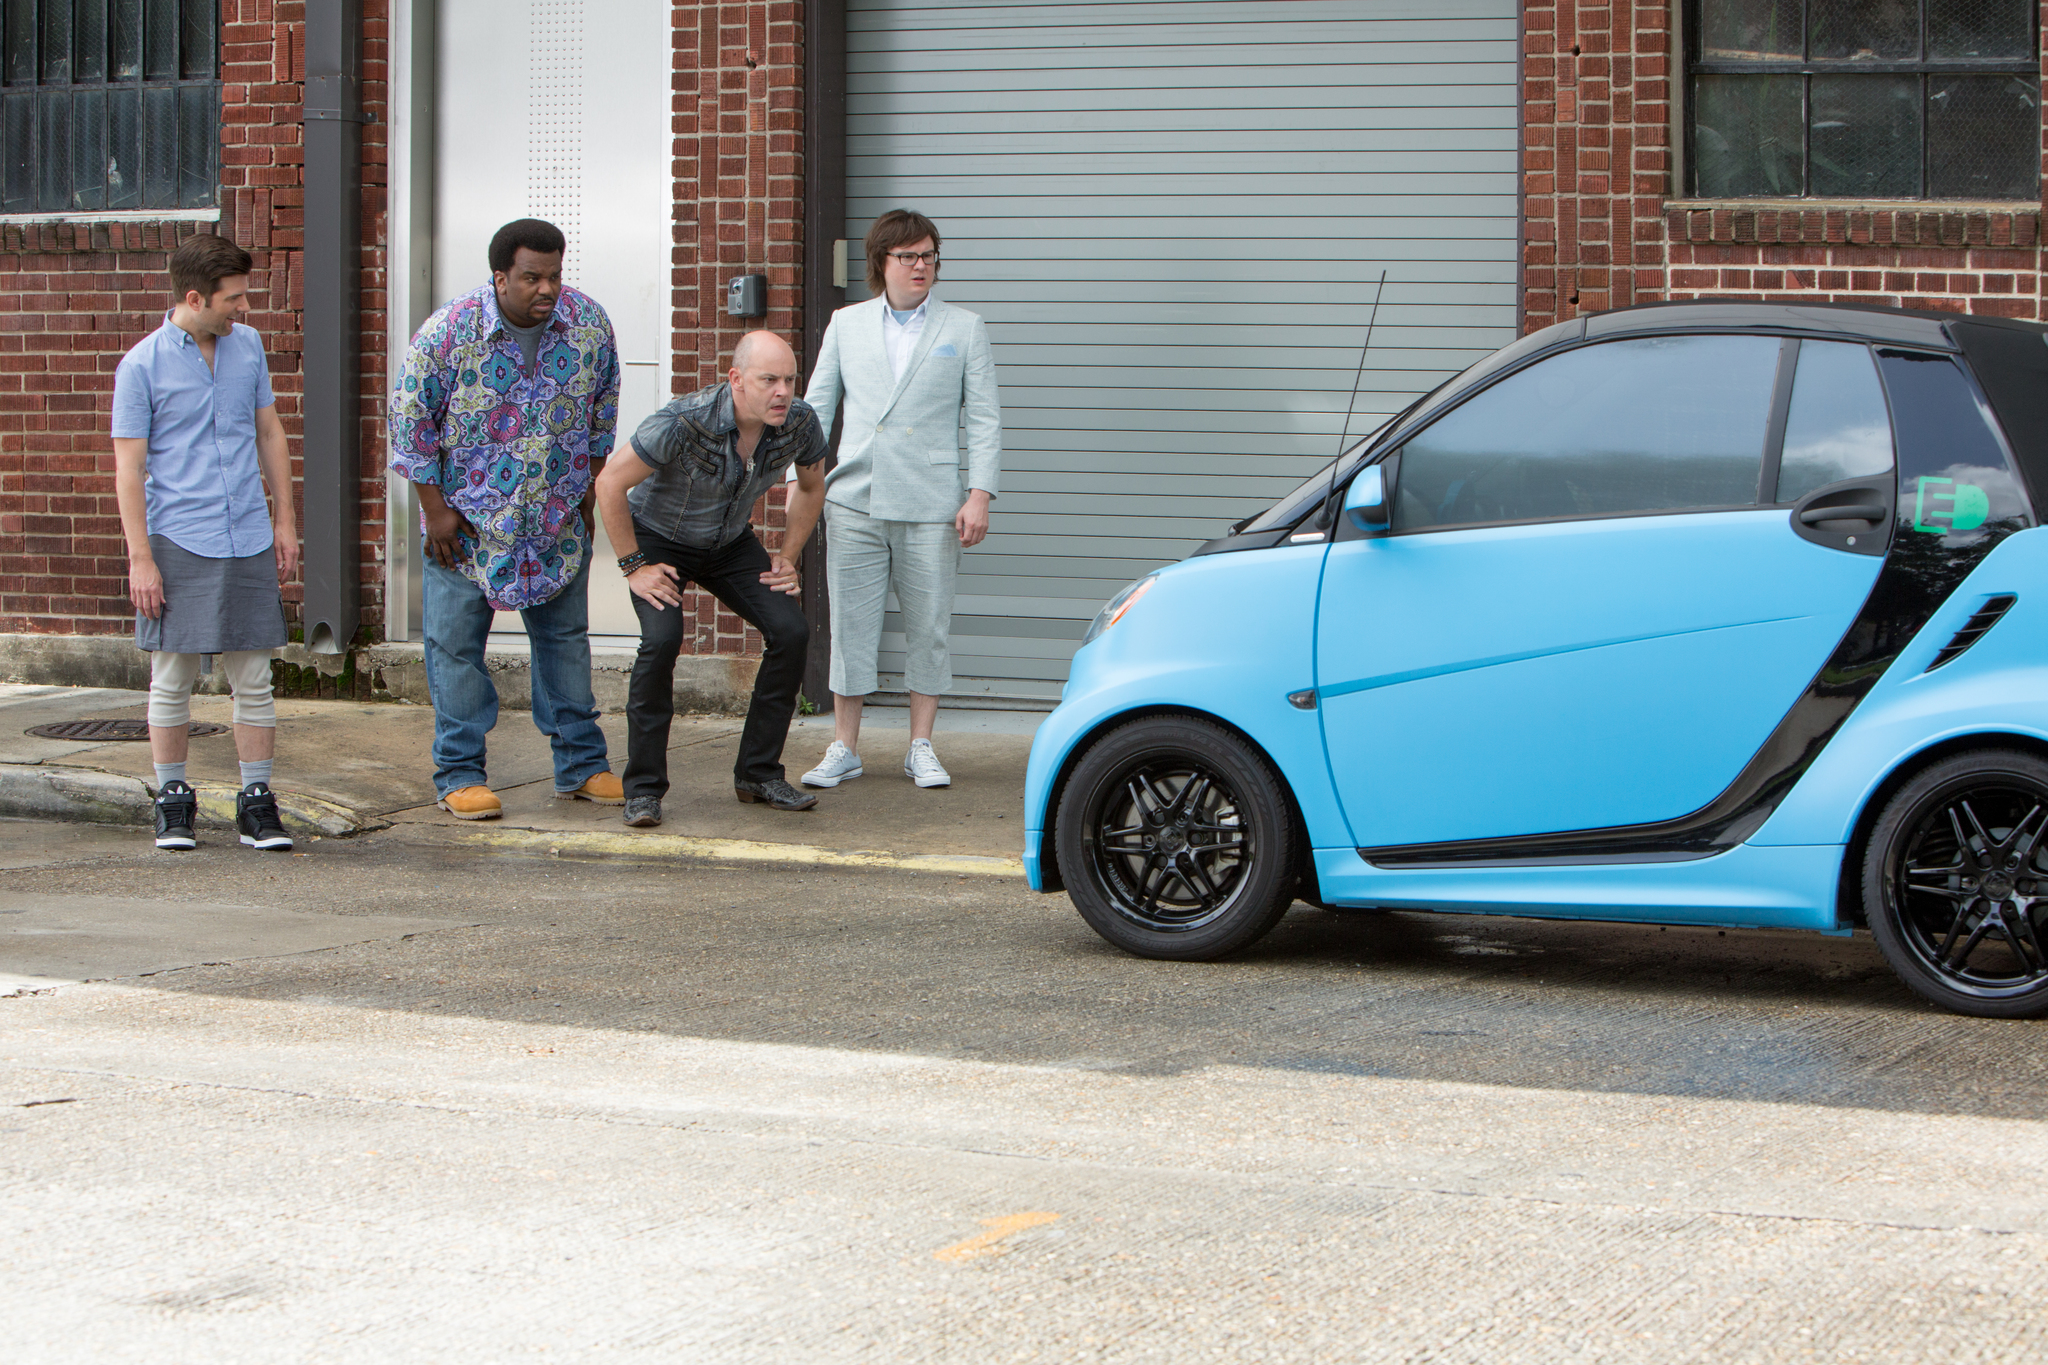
{"points": [[1593, 606]]}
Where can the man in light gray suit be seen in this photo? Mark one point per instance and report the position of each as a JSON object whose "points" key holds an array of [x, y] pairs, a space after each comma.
{"points": [[912, 374]]}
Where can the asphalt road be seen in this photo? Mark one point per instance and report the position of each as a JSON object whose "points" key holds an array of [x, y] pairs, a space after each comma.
{"points": [[493, 1107]]}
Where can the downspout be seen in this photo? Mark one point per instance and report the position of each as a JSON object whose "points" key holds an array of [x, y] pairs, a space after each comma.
{"points": [[824, 219], [332, 444]]}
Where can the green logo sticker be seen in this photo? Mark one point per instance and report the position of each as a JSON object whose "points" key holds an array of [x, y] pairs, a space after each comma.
{"points": [[1967, 506]]}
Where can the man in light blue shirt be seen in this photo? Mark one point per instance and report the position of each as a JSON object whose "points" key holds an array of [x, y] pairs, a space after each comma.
{"points": [[196, 439]]}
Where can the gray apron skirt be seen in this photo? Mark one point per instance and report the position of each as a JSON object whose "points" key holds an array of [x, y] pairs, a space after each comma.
{"points": [[214, 606]]}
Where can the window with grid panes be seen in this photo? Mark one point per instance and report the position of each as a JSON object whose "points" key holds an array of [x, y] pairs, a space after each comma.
{"points": [[109, 104], [1863, 99]]}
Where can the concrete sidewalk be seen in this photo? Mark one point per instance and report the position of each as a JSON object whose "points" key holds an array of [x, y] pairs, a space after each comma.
{"points": [[347, 769]]}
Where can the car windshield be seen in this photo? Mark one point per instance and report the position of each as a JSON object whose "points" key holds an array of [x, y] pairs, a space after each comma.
{"points": [[1291, 508]]}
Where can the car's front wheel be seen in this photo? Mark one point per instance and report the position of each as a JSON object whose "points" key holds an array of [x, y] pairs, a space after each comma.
{"points": [[1175, 839], [1955, 883]]}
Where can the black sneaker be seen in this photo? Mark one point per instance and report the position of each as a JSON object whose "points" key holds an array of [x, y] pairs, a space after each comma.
{"points": [[643, 812], [774, 792], [177, 807], [256, 817]]}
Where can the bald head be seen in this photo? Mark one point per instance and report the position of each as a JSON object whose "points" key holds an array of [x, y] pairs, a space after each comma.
{"points": [[763, 380], [763, 348]]}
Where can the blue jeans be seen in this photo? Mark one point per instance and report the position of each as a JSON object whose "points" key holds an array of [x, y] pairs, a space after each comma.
{"points": [[456, 619]]}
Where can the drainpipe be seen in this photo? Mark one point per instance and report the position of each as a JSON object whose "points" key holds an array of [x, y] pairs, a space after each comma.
{"points": [[332, 445], [824, 220]]}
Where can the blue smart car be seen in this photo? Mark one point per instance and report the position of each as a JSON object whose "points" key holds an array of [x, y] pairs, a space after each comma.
{"points": [[1720, 614]]}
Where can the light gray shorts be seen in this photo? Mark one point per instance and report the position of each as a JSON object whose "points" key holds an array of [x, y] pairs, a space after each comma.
{"points": [[867, 558]]}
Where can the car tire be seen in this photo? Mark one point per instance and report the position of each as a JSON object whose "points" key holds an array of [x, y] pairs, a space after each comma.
{"points": [[1176, 840], [1955, 883]]}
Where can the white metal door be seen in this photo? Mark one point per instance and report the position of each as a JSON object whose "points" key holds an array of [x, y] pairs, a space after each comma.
{"points": [[1173, 214], [559, 109]]}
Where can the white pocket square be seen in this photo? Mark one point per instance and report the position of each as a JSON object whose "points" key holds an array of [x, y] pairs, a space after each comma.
{"points": [[947, 349]]}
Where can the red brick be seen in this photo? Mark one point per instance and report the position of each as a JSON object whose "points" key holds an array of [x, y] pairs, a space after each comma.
{"points": [[74, 297]]}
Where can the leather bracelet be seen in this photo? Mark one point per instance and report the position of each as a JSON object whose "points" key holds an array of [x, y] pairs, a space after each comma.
{"points": [[628, 563]]}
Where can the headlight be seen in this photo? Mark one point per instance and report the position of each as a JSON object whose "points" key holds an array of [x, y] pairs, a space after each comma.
{"points": [[1118, 605]]}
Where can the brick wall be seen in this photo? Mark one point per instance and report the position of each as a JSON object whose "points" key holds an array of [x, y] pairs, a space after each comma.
{"points": [[75, 296], [738, 115], [1604, 227]]}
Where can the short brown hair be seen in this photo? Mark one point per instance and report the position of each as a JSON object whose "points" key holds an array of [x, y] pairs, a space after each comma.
{"points": [[200, 263], [897, 228]]}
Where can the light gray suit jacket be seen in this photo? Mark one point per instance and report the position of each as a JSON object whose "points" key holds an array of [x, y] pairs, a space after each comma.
{"points": [[899, 455]]}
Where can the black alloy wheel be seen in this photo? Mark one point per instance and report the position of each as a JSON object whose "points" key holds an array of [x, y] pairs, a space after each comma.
{"points": [[1175, 840], [1955, 883]]}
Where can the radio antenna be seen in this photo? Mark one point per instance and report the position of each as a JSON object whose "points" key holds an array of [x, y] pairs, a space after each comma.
{"points": [[1330, 499]]}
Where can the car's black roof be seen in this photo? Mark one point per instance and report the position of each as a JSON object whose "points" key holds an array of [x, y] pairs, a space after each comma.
{"points": [[1863, 322], [1848, 321]]}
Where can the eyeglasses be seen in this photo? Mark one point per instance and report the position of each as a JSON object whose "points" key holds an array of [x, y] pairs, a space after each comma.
{"points": [[915, 257]]}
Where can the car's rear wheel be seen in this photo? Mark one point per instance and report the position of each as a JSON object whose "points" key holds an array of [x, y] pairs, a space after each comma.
{"points": [[1175, 840], [1955, 883]]}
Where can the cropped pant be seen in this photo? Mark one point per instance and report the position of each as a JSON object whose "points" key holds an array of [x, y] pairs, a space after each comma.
{"points": [[867, 557]]}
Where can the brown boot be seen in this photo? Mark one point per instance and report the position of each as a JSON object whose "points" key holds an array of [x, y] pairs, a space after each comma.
{"points": [[472, 803], [603, 788]]}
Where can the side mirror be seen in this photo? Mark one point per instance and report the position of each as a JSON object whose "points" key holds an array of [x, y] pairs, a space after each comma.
{"points": [[1367, 502]]}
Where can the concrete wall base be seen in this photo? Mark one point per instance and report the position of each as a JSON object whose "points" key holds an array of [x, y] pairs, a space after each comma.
{"points": [[80, 661], [703, 682], [714, 683]]}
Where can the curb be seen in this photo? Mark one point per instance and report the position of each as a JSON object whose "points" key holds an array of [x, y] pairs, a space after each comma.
{"points": [[36, 791], [568, 844]]}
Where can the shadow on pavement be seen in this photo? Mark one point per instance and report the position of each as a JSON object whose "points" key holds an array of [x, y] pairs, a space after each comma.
{"points": [[986, 970]]}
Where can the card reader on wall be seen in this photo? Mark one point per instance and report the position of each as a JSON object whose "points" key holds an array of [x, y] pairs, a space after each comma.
{"points": [[747, 296]]}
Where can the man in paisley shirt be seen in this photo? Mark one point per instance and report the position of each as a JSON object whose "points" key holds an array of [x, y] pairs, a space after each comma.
{"points": [[502, 415]]}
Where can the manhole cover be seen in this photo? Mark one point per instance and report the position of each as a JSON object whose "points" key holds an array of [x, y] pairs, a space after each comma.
{"points": [[113, 729]]}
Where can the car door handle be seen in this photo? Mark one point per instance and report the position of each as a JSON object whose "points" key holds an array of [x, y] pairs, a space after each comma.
{"points": [[1855, 511]]}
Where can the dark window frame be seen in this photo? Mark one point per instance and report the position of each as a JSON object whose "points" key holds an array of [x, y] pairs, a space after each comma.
{"points": [[130, 89], [1807, 67]]}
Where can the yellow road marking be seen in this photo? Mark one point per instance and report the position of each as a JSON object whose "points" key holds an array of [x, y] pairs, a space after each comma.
{"points": [[568, 843], [990, 1243]]}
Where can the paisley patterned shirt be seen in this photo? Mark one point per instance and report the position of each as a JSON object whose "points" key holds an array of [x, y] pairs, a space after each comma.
{"points": [[510, 450]]}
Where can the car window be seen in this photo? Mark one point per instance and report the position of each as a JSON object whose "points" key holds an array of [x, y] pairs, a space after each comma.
{"points": [[1837, 427], [1652, 424], [1955, 479], [1316, 487]]}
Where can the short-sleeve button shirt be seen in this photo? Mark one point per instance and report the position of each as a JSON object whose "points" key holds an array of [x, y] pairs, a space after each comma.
{"points": [[204, 487]]}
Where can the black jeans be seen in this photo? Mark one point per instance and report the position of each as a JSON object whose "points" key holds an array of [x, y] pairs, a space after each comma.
{"points": [[732, 574]]}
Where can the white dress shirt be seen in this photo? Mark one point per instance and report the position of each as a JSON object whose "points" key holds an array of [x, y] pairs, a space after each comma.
{"points": [[901, 337]]}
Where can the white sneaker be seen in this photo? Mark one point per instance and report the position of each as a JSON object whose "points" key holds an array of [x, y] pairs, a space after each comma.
{"points": [[922, 766], [838, 764]]}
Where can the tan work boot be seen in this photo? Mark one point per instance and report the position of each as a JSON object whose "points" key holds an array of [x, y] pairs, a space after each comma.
{"points": [[603, 788], [472, 803]]}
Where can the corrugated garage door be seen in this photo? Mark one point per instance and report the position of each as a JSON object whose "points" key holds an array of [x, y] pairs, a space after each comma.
{"points": [[1173, 216]]}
